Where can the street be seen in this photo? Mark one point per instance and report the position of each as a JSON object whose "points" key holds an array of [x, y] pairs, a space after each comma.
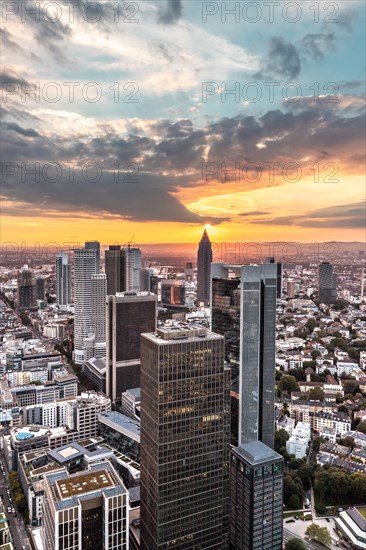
{"points": [[17, 528]]}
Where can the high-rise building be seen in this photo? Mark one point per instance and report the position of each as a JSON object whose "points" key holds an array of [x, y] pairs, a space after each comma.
{"points": [[86, 264], [132, 265], [123, 267], [98, 297], [128, 316], [272, 260], [145, 279], [327, 283], [63, 279], [114, 268], [26, 289], [290, 289], [94, 245], [184, 439], [86, 510], [243, 309], [256, 496], [40, 289], [204, 259]]}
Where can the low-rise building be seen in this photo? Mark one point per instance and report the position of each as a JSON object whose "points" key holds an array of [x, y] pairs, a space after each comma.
{"points": [[352, 524]]}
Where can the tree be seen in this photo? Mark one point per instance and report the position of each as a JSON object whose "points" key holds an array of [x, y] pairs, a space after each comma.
{"points": [[288, 384], [294, 502], [315, 353], [321, 534], [361, 427], [281, 436], [295, 544], [316, 394]]}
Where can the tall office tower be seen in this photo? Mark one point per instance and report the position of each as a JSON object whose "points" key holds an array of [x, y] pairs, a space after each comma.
{"points": [[114, 268], [243, 309], [63, 279], [290, 289], [94, 245], [145, 279], [128, 316], [26, 289], [132, 265], [98, 297], [327, 283], [86, 264], [184, 439], [271, 260], [40, 289], [256, 489], [204, 259], [189, 271], [86, 510]]}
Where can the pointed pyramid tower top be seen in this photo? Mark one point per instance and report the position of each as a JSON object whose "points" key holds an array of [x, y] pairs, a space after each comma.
{"points": [[205, 237]]}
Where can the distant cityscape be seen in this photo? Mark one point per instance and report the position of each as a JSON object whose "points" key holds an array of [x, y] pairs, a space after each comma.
{"points": [[202, 404]]}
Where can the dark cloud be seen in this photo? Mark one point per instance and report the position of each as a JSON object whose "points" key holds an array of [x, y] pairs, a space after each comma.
{"points": [[253, 213], [27, 132], [348, 216], [172, 12], [173, 158], [283, 59]]}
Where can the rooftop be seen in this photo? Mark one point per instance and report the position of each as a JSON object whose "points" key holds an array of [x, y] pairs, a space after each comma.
{"points": [[256, 452], [85, 482]]}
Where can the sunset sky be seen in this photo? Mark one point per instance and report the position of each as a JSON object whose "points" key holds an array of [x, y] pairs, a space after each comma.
{"points": [[130, 129]]}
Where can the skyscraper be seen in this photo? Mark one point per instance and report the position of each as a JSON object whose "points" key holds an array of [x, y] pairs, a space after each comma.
{"points": [[114, 268], [26, 289], [184, 439], [123, 267], [40, 289], [63, 279], [128, 316], [256, 496], [86, 264], [272, 260], [94, 245], [204, 259], [98, 313], [327, 283], [244, 311], [87, 510], [132, 265]]}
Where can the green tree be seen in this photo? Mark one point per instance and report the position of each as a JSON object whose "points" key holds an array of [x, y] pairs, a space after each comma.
{"points": [[281, 436], [316, 394], [361, 427], [315, 353], [294, 502], [288, 384], [295, 544], [321, 534]]}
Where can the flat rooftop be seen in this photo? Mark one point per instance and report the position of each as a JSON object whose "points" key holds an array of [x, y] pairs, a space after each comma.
{"points": [[120, 421], [257, 452], [85, 482], [181, 331]]}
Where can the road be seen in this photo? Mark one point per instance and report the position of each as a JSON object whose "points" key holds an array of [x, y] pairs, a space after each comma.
{"points": [[17, 528], [287, 535]]}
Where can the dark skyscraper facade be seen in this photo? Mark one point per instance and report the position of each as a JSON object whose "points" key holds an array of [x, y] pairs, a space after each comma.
{"points": [[204, 260], [327, 283], [26, 289], [128, 316], [63, 279], [114, 270], [256, 491], [40, 288], [243, 310], [184, 439]]}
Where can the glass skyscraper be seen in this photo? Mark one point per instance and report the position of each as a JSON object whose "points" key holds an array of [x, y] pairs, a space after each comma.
{"points": [[204, 259], [184, 439], [63, 279]]}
